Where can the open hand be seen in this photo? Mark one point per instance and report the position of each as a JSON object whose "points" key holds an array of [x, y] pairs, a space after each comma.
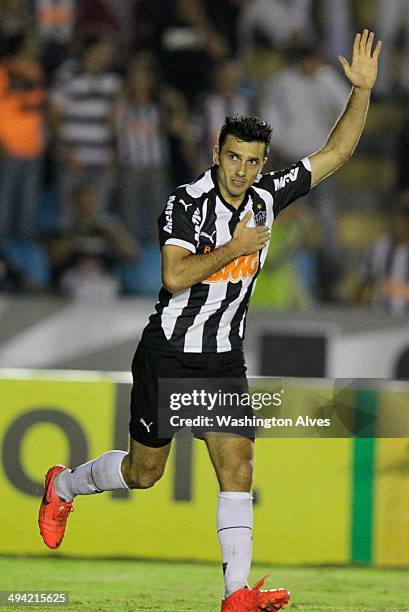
{"points": [[364, 66]]}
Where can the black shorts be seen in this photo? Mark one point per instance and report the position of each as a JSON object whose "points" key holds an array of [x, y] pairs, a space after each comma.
{"points": [[151, 364]]}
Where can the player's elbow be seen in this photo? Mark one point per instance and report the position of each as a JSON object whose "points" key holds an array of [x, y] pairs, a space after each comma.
{"points": [[175, 271], [171, 282], [343, 155]]}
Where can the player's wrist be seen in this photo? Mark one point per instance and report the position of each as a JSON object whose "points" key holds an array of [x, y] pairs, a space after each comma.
{"points": [[233, 248], [363, 90]]}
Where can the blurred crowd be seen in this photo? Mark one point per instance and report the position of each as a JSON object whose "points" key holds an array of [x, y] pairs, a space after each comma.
{"points": [[107, 105]]}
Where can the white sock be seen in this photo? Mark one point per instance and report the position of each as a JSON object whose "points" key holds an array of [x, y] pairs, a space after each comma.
{"points": [[235, 531], [102, 474]]}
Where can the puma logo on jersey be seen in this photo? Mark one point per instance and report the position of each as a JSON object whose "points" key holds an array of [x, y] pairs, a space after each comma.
{"points": [[208, 236], [239, 269], [185, 205], [282, 182]]}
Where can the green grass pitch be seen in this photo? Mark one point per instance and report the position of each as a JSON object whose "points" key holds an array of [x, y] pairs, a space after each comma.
{"points": [[184, 587]]}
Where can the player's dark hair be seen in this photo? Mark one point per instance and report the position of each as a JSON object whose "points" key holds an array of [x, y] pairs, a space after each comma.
{"points": [[247, 128]]}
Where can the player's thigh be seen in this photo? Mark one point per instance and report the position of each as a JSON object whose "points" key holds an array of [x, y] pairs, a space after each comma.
{"points": [[229, 453]]}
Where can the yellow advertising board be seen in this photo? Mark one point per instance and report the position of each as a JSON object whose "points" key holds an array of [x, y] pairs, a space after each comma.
{"points": [[305, 490], [302, 486]]}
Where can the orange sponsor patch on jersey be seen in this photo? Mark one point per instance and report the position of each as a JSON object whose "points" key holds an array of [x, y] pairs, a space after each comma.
{"points": [[238, 270]]}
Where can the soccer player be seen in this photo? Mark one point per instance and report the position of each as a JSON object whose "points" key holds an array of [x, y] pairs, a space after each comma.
{"points": [[214, 236]]}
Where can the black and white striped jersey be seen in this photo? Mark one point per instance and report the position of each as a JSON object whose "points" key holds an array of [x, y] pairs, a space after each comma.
{"points": [[87, 102], [386, 270], [141, 136], [210, 316]]}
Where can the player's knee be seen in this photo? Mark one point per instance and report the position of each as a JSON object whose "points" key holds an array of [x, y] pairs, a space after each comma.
{"points": [[148, 478], [145, 477]]}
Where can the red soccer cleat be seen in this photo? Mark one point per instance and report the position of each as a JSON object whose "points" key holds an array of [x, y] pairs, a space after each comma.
{"points": [[253, 599], [54, 511]]}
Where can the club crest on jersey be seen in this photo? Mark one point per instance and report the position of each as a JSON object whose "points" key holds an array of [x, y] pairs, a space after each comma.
{"points": [[237, 270], [260, 218]]}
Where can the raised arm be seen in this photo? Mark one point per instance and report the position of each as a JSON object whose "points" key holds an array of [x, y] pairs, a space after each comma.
{"points": [[347, 131]]}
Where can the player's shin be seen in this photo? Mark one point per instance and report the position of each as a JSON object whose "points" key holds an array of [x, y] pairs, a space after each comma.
{"points": [[102, 474], [235, 528]]}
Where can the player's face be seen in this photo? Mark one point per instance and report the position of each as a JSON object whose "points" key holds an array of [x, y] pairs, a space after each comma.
{"points": [[239, 163]]}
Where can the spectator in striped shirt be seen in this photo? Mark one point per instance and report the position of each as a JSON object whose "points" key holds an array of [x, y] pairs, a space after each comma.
{"points": [[82, 118], [384, 279], [148, 114]]}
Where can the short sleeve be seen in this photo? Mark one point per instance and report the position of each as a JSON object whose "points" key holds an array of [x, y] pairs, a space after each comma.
{"points": [[287, 185], [176, 225]]}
